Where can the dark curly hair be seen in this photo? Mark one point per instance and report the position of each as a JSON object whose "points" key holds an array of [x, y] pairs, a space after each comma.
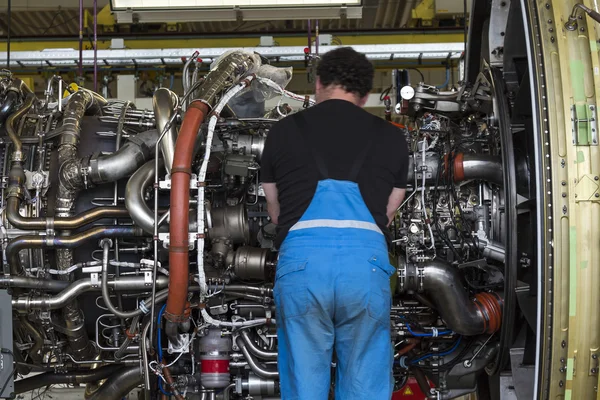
{"points": [[347, 68]]}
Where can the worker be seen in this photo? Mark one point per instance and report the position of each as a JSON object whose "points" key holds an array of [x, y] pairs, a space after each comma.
{"points": [[334, 176]]}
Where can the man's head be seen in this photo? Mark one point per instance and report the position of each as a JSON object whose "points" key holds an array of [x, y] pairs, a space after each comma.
{"points": [[344, 74]]}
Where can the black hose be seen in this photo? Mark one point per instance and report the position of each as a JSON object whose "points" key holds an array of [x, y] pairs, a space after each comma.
{"points": [[119, 385], [53, 378]]}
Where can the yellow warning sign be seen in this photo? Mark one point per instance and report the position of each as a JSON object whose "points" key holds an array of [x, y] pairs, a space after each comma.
{"points": [[408, 392]]}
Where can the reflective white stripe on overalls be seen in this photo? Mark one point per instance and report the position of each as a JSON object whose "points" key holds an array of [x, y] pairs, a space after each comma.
{"points": [[332, 291]]}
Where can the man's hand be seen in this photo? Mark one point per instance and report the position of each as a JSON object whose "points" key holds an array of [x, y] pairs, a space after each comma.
{"points": [[270, 190], [394, 202]]}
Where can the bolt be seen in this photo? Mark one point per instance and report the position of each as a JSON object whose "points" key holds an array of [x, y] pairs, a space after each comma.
{"points": [[596, 178], [594, 356], [597, 195], [561, 384], [563, 344], [549, 21], [552, 39], [547, 6], [564, 195], [594, 370], [562, 360], [551, 30], [582, 29], [564, 183]]}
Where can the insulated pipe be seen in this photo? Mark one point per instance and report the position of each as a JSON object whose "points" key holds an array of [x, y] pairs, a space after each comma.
{"points": [[78, 377], [45, 303], [68, 242], [164, 102], [119, 385], [255, 366], [254, 349], [71, 222], [180, 211], [444, 286]]}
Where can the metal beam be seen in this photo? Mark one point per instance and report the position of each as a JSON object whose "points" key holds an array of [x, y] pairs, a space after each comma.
{"points": [[243, 40], [68, 57]]}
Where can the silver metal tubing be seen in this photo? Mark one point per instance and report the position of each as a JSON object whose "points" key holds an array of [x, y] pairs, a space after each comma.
{"points": [[118, 385], [255, 366], [254, 349], [33, 283], [125, 283], [145, 366], [444, 286], [164, 103], [135, 191], [492, 250], [484, 167]]}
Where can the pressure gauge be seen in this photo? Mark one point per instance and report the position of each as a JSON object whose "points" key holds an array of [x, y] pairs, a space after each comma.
{"points": [[407, 92]]}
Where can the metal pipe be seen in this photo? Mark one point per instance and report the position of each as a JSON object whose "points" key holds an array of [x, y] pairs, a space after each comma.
{"points": [[145, 366], [70, 222], [135, 192], [255, 366], [11, 99], [254, 349], [78, 377], [129, 283], [68, 242], [23, 282], [80, 73], [10, 127], [164, 103], [478, 166], [444, 286], [38, 340], [95, 45], [119, 385]]}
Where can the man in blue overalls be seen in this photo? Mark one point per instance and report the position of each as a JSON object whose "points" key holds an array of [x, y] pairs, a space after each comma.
{"points": [[334, 176]]}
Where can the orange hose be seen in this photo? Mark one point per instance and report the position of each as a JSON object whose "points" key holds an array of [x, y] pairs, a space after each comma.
{"points": [[180, 210]]}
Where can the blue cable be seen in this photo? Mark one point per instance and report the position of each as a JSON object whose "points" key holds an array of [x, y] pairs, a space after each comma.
{"points": [[415, 334], [158, 333], [447, 79], [162, 390], [445, 353]]}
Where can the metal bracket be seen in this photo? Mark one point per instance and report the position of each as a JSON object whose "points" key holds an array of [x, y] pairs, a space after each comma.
{"points": [[582, 123], [95, 280], [165, 238], [148, 278], [594, 362], [166, 184]]}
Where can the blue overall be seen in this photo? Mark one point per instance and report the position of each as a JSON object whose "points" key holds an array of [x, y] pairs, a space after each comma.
{"points": [[332, 292]]}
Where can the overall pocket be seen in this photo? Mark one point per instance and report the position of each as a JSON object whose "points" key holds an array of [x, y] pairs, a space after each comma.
{"points": [[290, 291], [380, 296]]}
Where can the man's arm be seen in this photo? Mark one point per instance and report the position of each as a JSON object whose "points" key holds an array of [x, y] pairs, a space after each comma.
{"points": [[394, 202], [270, 190]]}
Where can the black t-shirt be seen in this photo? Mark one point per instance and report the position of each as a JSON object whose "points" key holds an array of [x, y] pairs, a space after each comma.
{"points": [[338, 131]]}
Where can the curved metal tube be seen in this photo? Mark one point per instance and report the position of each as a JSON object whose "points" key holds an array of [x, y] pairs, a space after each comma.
{"points": [[68, 242], [125, 161], [38, 340], [70, 222], [118, 385], [53, 378], [443, 285], [12, 97], [135, 191], [164, 102], [10, 126], [129, 283], [478, 166], [49, 285], [255, 366], [254, 349]]}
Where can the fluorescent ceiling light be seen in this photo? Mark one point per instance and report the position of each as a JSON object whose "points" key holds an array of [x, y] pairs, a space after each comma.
{"points": [[120, 5]]}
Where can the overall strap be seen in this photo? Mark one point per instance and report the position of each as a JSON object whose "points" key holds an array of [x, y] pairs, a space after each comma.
{"points": [[362, 156], [319, 161]]}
